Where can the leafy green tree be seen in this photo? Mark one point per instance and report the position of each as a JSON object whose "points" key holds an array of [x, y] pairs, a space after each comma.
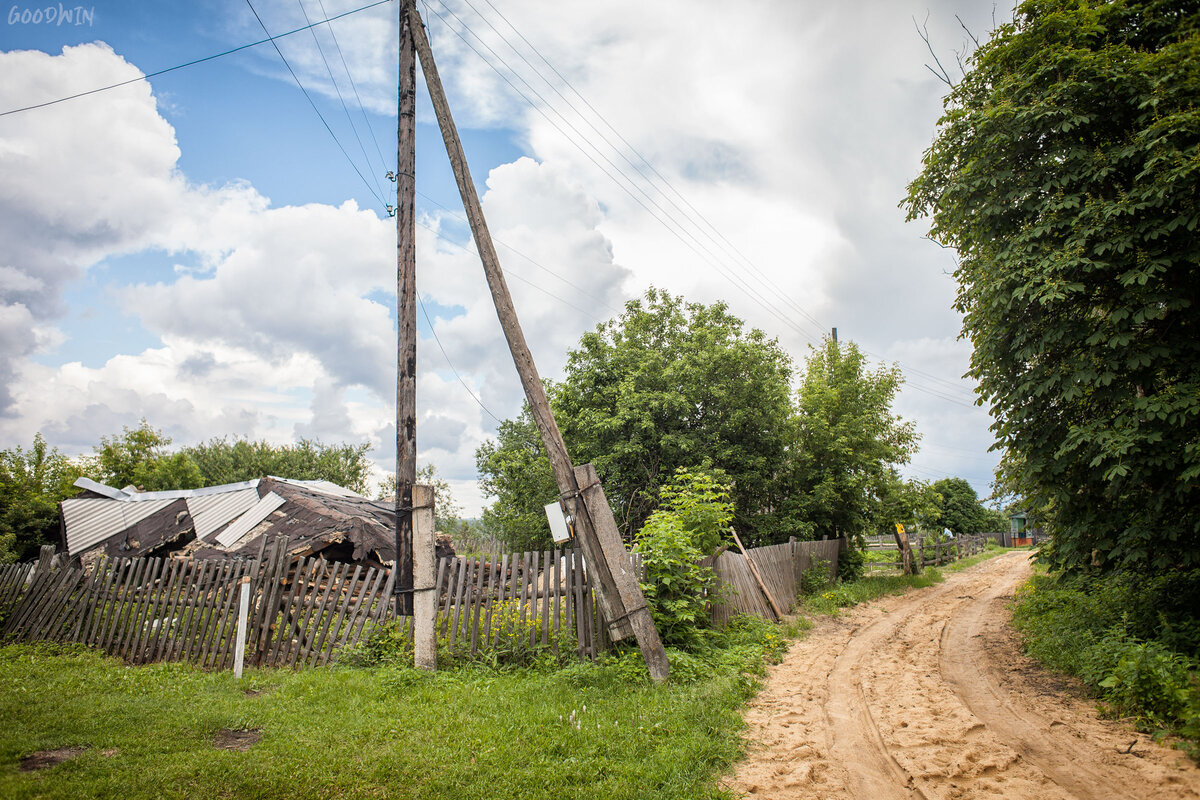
{"points": [[849, 443], [220, 460], [32, 484], [671, 384], [514, 469], [1064, 172], [139, 457], [912, 503], [959, 508]]}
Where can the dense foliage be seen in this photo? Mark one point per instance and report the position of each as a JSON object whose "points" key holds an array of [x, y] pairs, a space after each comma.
{"points": [[849, 444], [32, 484], [959, 509], [220, 460], [671, 384], [1135, 641], [1064, 172], [691, 522], [514, 469]]}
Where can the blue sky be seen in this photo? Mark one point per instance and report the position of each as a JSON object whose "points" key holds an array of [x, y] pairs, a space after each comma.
{"points": [[197, 250]]}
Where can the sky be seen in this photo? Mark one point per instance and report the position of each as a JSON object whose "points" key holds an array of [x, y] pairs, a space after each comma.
{"points": [[210, 249]]}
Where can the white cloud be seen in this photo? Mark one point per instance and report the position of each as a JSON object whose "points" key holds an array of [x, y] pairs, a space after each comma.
{"points": [[791, 126]]}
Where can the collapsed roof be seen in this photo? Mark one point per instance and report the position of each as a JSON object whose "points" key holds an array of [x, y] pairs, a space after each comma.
{"points": [[235, 519]]}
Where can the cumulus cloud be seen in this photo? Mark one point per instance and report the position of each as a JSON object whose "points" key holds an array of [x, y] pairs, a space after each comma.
{"points": [[281, 326], [792, 127]]}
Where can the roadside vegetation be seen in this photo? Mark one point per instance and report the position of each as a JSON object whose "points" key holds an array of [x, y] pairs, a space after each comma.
{"points": [[1132, 639], [1063, 175]]}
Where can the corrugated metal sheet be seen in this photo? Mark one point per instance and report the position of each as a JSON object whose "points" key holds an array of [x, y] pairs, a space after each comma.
{"points": [[147, 497], [91, 520], [211, 511], [243, 524], [323, 487]]}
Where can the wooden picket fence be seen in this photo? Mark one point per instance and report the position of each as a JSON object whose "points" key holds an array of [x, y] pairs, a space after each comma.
{"points": [[930, 551], [155, 609], [303, 611], [540, 594], [780, 566]]}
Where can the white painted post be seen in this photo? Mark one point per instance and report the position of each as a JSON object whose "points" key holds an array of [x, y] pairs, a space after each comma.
{"points": [[424, 591], [239, 642]]}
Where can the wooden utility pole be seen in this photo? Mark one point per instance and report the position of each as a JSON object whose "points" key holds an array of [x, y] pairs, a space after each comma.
{"points": [[406, 321], [608, 563]]}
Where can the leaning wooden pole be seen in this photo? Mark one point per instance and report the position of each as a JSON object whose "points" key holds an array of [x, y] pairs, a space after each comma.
{"points": [[608, 562], [406, 320]]}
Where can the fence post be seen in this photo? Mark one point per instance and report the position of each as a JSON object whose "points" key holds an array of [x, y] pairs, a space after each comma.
{"points": [[425, 593], [239, 643]]}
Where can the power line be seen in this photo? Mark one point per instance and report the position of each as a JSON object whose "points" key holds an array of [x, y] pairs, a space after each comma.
{"points": [[941, 392], [462, 218], [191, 63], [723, 242], [449, 363], [354, 86], [342, 100], [511, 274], [308, 97]]}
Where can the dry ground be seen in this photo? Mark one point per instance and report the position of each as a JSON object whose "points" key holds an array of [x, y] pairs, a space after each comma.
{"points": [[928, 696]]}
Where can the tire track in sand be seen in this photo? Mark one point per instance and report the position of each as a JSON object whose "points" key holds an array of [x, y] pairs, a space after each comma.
{"points": [[927, 696]]}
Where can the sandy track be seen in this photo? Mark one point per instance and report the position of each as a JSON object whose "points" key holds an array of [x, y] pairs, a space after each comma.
{"points": [[928, 696]]}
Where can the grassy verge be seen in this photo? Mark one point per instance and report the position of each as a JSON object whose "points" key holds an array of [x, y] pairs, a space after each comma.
{"points": [[587, 730], [1133, 640], [830, 600]]}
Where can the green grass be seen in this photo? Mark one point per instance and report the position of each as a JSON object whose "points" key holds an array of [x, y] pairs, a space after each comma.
{"points": [[871, 587], [587, 731]]}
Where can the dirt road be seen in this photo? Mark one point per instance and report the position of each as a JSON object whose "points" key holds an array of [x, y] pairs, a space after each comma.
{"points": [[928, 696]]}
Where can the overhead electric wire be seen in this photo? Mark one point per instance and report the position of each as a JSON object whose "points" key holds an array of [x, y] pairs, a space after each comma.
{"points": [[716, 236], [718, 239], [449, 363], [463, 218], [312, 103], [192, 63], [508, 273], [361, 106], [342, 100]]}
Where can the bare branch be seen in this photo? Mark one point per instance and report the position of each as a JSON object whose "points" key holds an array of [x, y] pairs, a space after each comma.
{"points": [[963, 25], [923, 32]]}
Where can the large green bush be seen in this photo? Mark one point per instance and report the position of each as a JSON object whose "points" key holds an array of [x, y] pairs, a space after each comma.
{"points": [[690, 523]]}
